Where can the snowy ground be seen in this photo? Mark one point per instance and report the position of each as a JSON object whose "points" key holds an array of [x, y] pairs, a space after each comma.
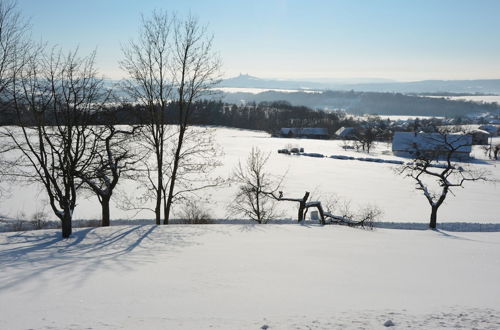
{"points": [[248, 277], [361, 182], [473, 98]]}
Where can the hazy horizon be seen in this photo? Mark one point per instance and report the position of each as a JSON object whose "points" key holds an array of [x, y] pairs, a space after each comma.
{"points": [[295, 40]]}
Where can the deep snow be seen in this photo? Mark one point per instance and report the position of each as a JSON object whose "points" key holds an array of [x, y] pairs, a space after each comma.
{"points": [[247, 277], [361, 182]]}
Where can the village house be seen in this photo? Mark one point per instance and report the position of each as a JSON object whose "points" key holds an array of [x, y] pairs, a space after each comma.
{"points": [[492, 129], [480, 137], [307, 132], [435, 145]]}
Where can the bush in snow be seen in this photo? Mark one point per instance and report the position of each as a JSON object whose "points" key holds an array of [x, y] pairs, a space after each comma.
{"points": [[256, 186], [194, 214]]}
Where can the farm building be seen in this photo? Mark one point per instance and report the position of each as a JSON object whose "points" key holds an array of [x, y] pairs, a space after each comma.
{"points": [[480, 137], [345, 133], [309, 132], [436, 145], [492, 129]]}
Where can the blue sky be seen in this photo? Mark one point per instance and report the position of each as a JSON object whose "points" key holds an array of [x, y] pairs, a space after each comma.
{"points": [[309, 39]]}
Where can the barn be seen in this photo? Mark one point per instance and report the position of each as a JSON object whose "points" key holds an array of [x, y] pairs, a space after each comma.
{"points": [[435, 145], [480, 137], [307, 132]]}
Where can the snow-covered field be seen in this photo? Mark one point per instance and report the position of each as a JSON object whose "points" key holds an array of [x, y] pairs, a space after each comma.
{"points": [[359, 181], [473, 98], [248, 277], [396, 118], [262, 90]]}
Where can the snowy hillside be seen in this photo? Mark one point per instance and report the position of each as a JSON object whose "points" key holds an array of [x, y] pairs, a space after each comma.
{"points": [[361, 182], [248, 277]]}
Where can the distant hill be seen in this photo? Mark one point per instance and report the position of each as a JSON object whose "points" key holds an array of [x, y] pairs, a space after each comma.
{"points": [[485, 86], [369, 102], [247, 81]]}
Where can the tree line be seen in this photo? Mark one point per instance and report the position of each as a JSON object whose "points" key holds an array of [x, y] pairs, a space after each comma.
{"points": [[265, 116]]}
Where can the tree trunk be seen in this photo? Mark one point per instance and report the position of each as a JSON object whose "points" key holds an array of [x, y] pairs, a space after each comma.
{"points": [[105, 212], [66, 224], [433, 221], [302, 206], [321, 214], [158, 203], [159, 186], [177, 157]]}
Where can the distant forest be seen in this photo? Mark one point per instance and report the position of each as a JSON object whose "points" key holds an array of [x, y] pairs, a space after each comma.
{"points": [[266, 116], [271, 110], [370, 103]]}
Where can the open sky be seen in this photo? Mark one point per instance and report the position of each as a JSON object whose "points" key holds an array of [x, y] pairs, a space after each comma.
{"points": [[393, 39]]}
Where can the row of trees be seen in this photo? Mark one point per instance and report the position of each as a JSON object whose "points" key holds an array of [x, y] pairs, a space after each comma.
{"points": [[264, 116], [55, 94]]}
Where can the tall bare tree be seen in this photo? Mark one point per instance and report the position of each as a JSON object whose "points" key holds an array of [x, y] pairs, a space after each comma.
{"points": [[195, 70], [14, 31], [13, 43], [199, 156], [170, 66], [55, 95], [147, 63], [436, 172]]}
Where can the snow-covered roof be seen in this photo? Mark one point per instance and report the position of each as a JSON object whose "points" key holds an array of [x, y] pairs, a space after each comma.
{"points": [[410, 141], [344, 131], [480, 131], [489, 128], [304, 131]]}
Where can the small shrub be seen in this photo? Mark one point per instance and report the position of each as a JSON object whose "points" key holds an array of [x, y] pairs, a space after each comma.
{"points": [[193, 214], [39, 220]]}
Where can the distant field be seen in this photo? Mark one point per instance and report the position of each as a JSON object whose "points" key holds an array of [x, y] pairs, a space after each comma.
{"points": [[261, 90], [474, 98], [361, 182]]}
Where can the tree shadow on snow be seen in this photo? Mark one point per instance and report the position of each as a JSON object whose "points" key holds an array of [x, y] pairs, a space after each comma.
{"points": [[448, 235], [34, 253]]}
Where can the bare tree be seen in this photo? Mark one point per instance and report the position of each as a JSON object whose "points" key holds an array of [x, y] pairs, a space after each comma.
{"points": [[13, 43], [195, 70], [254, 198], [198, 158], [436, 171], [365, 137], [147, 62], [171, 66], [55, 95], [112, 158]]}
